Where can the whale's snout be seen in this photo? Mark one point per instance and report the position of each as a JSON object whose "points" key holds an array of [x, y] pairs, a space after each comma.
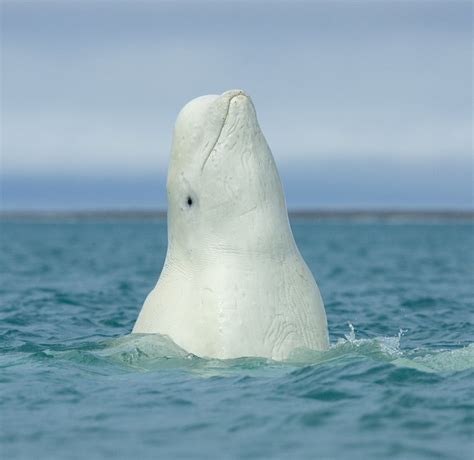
{"points": [[205, 123], [231, 105], [234, 96], [233, 93], [239, 104]]}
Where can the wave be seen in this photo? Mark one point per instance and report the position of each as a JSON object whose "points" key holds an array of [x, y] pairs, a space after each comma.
{"points": [[147, 352], [387, 349]]}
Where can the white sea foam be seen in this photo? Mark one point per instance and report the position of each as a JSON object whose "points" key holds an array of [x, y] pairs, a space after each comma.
{"points": [[146, 351], [423, 360]]}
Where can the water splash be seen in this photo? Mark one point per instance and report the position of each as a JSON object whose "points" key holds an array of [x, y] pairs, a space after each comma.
{"points": [[388, 350], [390, 346]]}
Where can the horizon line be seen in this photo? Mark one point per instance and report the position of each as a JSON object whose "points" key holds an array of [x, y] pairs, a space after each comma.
{"points": [[318, 213]]}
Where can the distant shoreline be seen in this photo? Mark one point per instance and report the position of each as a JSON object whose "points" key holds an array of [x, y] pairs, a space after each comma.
{"points": [[318, 214]]}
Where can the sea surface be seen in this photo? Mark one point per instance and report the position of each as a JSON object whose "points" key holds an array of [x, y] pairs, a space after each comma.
{"points": [[397, 382]]}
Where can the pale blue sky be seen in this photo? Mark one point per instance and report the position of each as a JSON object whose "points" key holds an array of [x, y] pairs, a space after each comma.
{"points": [[364, 104]]}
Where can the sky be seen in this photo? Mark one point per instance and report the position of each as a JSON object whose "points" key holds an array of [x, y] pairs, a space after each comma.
{"points": [[365, 104]]}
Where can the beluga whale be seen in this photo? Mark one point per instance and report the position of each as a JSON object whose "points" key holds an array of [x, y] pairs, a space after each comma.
{"points": [[234, 283]]}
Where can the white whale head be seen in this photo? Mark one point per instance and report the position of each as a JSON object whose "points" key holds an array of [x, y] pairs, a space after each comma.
{"points": [[222, 179], [233, 283]]}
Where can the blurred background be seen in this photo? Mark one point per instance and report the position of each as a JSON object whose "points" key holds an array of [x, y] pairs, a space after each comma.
{"points": [[366, 105]]}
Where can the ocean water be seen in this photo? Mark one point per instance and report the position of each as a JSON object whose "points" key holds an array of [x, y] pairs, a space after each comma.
{"points": [[397, 382]]}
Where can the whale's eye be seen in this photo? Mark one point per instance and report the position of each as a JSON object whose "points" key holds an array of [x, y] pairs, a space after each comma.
{"points": [[190, 201]]}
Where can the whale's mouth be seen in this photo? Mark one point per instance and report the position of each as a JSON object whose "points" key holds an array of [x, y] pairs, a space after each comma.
{"points": [[231, 95]]}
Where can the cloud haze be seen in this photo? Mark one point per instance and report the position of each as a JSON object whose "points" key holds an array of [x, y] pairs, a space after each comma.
{"points": [[355, 95]]}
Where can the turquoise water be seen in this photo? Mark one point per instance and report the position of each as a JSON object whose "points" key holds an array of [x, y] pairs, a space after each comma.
{"points": [[398, 381]]}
